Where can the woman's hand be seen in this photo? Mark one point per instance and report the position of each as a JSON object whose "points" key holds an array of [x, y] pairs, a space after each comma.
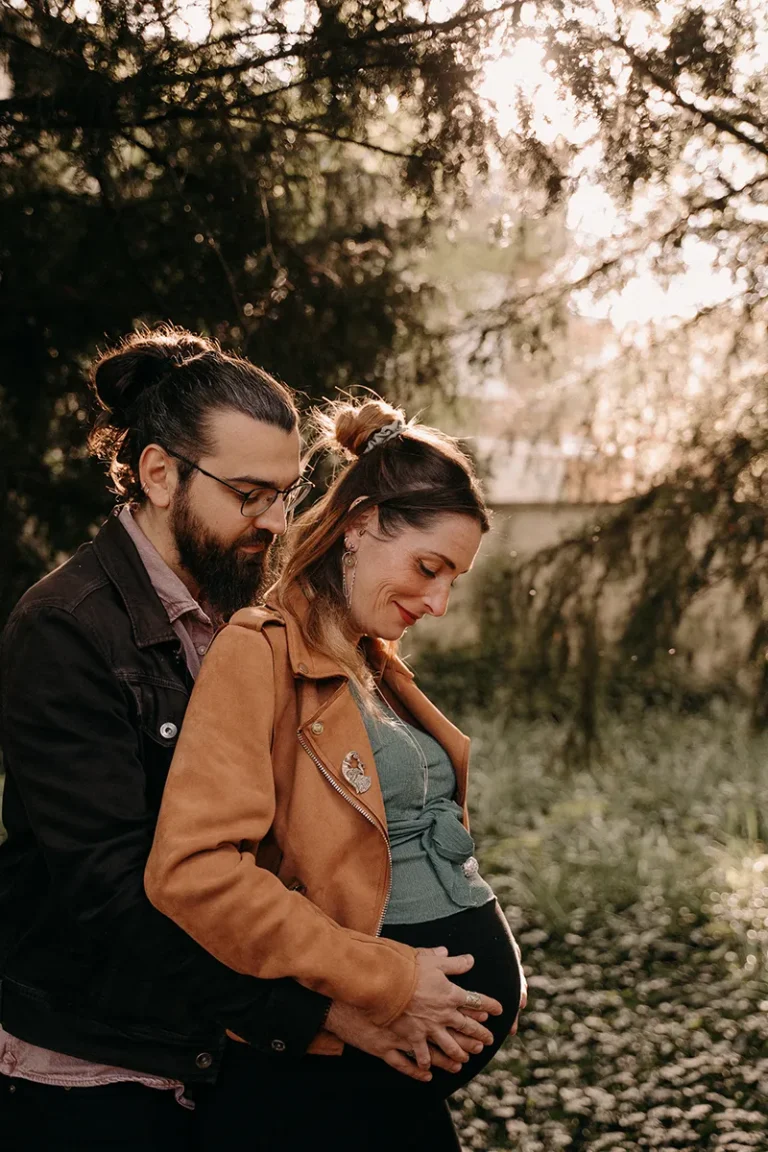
{"points": [[523, 995], [435, 1008], [355, 1028]]}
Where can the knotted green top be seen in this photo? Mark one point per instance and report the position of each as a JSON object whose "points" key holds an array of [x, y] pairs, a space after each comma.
{"points": [[434, 873]]}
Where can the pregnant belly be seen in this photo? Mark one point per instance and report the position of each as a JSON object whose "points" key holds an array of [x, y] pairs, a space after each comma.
{"points": [[484, 933]]}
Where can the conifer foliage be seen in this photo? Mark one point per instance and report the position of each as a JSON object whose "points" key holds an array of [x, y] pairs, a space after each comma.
{"points": [[262, 175]]}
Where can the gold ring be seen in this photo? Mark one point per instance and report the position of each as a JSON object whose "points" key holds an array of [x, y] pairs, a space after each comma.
{"points": [[473, 1000]]}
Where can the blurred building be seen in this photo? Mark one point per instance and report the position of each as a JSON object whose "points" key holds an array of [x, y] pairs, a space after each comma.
{"points": [[521, 471]]}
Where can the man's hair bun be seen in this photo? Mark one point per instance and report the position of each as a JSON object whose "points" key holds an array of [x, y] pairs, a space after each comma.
{"points": [[138, 363]]}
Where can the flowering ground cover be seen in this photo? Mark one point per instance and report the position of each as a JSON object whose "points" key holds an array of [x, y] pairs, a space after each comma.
{"points": [[638, 889]]}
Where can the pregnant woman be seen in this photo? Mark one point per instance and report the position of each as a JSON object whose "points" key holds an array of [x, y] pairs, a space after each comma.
{"points": [[314, 824]]}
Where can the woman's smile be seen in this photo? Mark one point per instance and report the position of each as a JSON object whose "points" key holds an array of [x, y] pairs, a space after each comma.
{"points": [[408, 617]]}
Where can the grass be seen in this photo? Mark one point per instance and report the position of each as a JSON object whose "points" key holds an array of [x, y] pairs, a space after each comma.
{"points": [[639, 892]]}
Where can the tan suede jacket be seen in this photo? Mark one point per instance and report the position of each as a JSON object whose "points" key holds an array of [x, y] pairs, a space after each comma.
{"points": [[271, 849]]}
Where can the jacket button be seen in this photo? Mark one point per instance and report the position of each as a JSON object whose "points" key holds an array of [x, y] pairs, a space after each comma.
{"points": [[168, 731], [303, 669], [278, 1045], [318, 727], [204, 1060]]}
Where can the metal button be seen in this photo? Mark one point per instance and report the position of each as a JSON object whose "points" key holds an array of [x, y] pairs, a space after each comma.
{"points": [[278, 1045], [168, 731], [204, 1060], [303, 669], [12, 1088], [318, 727], [202, 649]]}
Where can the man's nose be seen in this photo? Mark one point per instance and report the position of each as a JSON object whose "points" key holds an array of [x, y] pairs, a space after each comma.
{"points": [[274, 519]]}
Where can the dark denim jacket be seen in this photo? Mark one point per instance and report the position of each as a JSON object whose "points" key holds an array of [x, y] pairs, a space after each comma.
{"points": [[93, 690]]}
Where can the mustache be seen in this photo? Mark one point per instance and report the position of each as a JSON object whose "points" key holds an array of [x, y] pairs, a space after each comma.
{"points": [[260, 536]]}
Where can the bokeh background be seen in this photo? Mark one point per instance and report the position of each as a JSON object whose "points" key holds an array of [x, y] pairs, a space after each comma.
{"points": [[544, 226]]}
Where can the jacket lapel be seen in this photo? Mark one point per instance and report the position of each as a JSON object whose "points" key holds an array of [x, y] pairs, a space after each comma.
{"points": [[337, 735], [118, 557], [334, 728]]}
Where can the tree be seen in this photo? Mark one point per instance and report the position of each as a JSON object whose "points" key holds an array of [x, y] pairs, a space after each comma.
{"points": [[668, 107], [672, 107], [671, 104], [263, 177]]}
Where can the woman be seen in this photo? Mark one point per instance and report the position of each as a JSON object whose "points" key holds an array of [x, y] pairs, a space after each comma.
{"points": [[314, 823]]}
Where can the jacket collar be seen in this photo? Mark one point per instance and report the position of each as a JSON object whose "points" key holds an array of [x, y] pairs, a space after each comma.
{"points": [[307, 661], [118, 557]]}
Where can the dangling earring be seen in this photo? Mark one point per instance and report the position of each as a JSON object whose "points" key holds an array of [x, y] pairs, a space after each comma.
{"points": [[348, 573]]}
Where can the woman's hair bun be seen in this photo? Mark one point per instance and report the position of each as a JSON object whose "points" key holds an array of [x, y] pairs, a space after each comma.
{"points": [[348, 425], [139, 362]]}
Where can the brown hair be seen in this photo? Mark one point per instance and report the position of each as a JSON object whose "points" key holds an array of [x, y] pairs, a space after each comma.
{"points": [[160, 385], [411, 477]]}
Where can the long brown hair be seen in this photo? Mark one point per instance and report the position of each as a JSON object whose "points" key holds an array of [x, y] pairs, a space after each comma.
{"points": [[411, 477]]}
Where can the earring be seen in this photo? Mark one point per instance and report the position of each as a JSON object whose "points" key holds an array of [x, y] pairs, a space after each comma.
{"points": [[348, 573]]}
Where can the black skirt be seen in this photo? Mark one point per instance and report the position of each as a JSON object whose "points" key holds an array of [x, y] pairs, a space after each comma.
{"points": [[357, 1101]]}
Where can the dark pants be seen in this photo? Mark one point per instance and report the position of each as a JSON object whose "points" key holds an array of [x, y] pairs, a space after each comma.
{"points": [[355, 1101], [124, 1117]]}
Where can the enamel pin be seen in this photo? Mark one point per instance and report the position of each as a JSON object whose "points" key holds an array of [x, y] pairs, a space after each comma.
{"points": [[353, 771]]}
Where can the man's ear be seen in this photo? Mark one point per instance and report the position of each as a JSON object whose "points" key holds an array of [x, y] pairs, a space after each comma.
{"points": [[158, 475]]}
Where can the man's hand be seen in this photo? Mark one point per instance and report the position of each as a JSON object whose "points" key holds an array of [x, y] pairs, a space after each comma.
{"points": [[355, 1028]]}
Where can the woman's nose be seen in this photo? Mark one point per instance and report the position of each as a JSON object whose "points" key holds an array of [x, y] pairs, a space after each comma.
{"points": [[437, 602]]}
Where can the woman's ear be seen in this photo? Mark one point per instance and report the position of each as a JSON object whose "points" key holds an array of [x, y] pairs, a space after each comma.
{"points": [[367, 521]]}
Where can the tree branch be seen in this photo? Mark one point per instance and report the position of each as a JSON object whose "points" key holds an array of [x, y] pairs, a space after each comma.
{"points": [[706, 115], [339, 137]]}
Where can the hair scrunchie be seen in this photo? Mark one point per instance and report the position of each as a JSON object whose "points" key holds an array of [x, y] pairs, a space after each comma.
{"points": [[396, 428]]}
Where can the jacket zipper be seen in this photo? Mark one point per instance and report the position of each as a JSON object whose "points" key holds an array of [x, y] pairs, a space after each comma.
{"points": [[358, 808]]}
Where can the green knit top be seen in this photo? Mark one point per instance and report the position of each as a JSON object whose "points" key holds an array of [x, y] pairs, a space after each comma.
{"points": [[434, 872]]}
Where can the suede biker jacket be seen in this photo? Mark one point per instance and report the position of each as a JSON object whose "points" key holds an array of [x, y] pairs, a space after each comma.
{"points": [[272, 846], [93, 692]]}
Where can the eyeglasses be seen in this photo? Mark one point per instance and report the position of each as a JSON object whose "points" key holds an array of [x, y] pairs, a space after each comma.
{"points": [[258, 500]]}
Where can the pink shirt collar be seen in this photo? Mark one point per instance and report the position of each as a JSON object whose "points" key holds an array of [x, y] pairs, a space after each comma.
{"points": [[171, 590]]}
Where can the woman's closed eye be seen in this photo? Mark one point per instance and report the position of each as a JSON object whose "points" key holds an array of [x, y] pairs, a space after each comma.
{"points": [[427, 571]]}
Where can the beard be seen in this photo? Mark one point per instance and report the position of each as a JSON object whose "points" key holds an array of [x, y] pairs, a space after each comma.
{"points": [[227, 577]]}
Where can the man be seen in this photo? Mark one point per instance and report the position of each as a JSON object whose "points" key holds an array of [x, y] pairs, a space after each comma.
{"points": [[113, 1020]]}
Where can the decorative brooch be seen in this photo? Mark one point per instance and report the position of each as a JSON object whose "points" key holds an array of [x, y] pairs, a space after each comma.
{"points": [[353, 771]]}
